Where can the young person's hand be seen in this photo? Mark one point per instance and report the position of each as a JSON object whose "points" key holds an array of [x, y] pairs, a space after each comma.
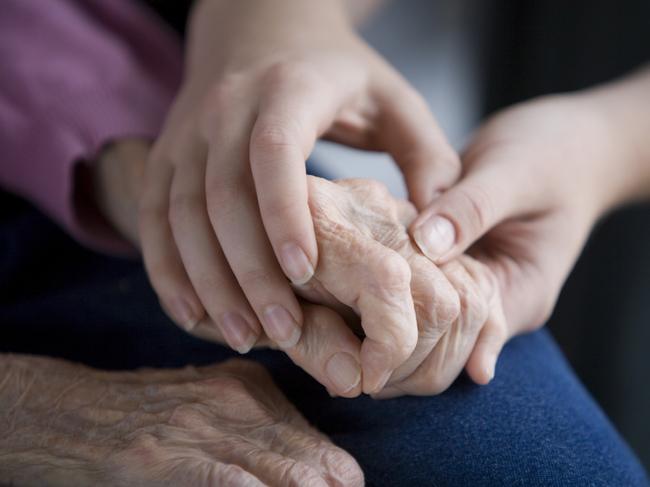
{"points": [[536, 178], [224, 218]]}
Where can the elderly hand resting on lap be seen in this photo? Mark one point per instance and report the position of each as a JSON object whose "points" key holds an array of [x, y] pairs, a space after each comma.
{"points": [[67, 425], [420, 322]]}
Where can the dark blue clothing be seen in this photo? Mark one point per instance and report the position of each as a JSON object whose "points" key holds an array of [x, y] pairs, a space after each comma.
{"points": [[534, 425]]}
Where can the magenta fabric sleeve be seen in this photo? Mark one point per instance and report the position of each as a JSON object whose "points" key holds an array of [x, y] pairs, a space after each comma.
{"points": [[74, 75]]}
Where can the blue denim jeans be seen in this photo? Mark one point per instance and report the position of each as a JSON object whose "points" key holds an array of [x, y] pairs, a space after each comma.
{"points": [[533, 425]]}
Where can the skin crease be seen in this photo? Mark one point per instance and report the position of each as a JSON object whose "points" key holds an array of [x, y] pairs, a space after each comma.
{"points": [[225, 200], [68, 425], [369, 263], [531, 223], [421, 320]]}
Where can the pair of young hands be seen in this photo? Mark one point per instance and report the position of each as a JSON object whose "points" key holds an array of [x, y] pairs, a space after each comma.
{"points": [[226, 212]]}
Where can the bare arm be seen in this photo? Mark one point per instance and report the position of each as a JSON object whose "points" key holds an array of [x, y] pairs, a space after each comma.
{"points": [[625, 104]]}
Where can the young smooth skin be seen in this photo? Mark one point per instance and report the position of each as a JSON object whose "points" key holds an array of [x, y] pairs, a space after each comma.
{"points": [[224, 218], [64, 424], [535, 179]]}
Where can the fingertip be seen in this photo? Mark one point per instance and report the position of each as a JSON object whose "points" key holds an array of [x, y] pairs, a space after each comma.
{"points": [[344, 373], [238, 332], [436, 237], [185, 312], [281, 326], [296, 264], [481, 367]]}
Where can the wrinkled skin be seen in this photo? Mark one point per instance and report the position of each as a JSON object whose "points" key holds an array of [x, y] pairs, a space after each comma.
{"points": [[227, 424], [420, 321], [224, 198]]}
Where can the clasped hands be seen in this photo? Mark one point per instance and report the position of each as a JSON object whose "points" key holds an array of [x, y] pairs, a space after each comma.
{"points": [[243, 248], [379, 316], [399, 302]]}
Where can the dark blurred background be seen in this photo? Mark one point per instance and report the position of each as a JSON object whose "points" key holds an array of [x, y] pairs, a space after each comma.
{"points": [[602, 320]]}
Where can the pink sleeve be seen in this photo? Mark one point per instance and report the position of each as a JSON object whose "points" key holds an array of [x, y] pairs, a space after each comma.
{"points": [[74, 75]]}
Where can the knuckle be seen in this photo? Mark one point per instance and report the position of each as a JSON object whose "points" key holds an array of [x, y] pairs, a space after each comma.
{"points": [[230, 385], [188, 416], [391, 271], [142, 448], [223, 93], [236, 401], [399, 343], [294, 73], [376, 190], [270, 137]]}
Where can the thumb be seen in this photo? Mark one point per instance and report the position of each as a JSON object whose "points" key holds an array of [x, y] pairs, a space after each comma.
{"points": [[463, 214]]}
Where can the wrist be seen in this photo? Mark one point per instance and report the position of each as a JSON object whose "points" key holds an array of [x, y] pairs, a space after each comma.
{"points": [[225, 33], [622, 110]]}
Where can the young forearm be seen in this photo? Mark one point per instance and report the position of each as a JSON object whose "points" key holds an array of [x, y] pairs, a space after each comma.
{"points": [[222, 32], [625, 105]]}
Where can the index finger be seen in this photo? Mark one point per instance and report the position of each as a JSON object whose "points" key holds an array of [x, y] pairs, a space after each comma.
{"points": [[292, 115]]}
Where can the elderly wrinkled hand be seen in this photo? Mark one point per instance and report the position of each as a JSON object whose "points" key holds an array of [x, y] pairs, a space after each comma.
{"points": [[420, 322], [226, 424]]}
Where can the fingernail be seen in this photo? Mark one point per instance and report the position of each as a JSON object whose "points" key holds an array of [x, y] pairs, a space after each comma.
{"points": [[184, 314], [435, 236], [296, 264], [381, 382], [343, 371], [280, 326], [237, 332]]}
